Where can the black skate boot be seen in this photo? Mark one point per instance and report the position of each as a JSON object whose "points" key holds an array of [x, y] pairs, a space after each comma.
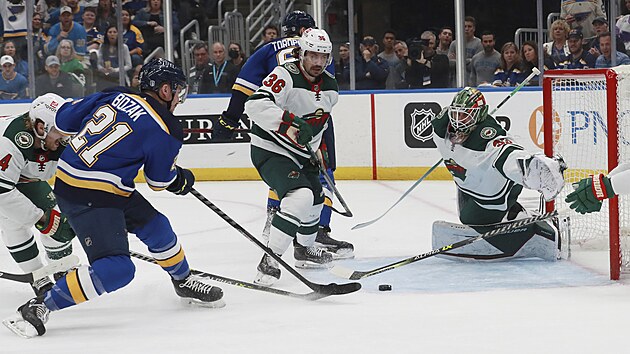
{"points": [[311, 256], [42, 285], [195, 291], [268, 271], [339, 249], [30, 319]]}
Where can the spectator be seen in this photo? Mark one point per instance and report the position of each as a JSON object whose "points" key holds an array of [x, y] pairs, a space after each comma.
{"points": [[132, 38], [444, 40], [510, 72], [76, 11], [202, 60], [13, 85], [592, 44], [67, 29], [237, 57], [558, 48], [221, 75], [623, 28], [388, 49], [473, 45], [150, 21], [605, 59], [371, 71], [54, 80], [94, 37], [580, 14], [44, 8], [580, 58], [105, 15], [108, 65], [484, 64], [21, 66], [14, 22], [39, 40], [428, 70], [69, 63], [342, 67], [529, 58], [269, 33]]}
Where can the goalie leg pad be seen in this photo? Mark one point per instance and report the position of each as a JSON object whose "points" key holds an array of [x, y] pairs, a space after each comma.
{"points": [[536, 240]]}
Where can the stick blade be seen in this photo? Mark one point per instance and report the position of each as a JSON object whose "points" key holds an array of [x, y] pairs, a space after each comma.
{"points": [[339, 289], [56, 266], [342, 271]]}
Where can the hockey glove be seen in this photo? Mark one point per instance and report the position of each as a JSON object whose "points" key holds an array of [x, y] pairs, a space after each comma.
{"points": [[543, 174], [56, 226], [588, 194], [183, 183], [224, 129], [305, 133]]}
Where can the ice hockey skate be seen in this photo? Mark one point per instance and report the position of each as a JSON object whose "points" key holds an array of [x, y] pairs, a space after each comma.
{"points": [[42, 285], [338, 249], [195, 291], [268, 271], [30, 319], [311, 257]]}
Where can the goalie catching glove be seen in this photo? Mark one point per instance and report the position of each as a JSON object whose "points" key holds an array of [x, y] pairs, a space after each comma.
{"points": [[183, 183], [543, 174], [55, 225], [588, 194]]}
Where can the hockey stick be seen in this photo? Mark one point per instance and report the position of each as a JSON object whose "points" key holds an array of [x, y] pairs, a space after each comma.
{"points": [[329, 289], [59, 265], [354, 275], [221, 279], [535, 72], [315, 160]]}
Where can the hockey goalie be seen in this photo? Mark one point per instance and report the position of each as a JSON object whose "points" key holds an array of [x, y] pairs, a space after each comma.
{"points": [[490, 170]]}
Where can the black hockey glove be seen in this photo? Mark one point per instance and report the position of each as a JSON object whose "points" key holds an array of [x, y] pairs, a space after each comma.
{"points": [[224, 129], [183, 183]]}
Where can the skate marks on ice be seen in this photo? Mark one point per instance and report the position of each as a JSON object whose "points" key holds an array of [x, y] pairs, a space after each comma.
{"points": [[444, 276]]}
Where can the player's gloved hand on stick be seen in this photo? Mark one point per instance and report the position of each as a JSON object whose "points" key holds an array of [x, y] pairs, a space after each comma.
{"points": [[55, 225], [183, 183], [588, 194], [224, 129], [305, 131]]}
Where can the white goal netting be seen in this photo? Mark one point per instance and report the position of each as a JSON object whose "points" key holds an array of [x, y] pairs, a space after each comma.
{"points": [[580, 118]]}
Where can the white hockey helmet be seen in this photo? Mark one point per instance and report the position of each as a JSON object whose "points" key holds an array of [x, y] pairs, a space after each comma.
{"points": [[44, 108], [316, 40]]}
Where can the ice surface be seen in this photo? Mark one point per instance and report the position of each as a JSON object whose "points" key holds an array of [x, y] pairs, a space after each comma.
{"points": [[435, 306]]}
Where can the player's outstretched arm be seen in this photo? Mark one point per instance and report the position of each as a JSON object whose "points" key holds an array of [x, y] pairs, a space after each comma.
{"points": [[589, 192]]}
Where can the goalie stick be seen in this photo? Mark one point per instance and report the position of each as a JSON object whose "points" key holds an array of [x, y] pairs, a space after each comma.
{"points": [[328, 289], [355, 275], [535, 72], [312, 296], [59, 265], [316, 161]]}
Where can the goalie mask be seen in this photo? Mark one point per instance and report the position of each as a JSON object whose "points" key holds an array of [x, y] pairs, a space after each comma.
{"points": [[44, 109], [315, 50], [468, 109]]}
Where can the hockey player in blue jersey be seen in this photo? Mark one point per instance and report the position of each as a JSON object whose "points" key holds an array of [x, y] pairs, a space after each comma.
{"points": [[257, 67], [117, 132]]}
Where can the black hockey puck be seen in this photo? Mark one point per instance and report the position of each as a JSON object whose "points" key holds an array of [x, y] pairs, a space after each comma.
{"points": [[384, 287]]}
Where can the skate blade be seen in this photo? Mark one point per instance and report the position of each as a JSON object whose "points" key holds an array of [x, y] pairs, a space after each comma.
{"points": [[311, 265], [264, 279], [20, 327], [207, 304]]}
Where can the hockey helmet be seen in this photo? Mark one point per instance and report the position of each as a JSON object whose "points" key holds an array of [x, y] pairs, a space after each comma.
{"points": [[44, 108], [316, 40], [468, 109], [158, 71], [295, 20]]}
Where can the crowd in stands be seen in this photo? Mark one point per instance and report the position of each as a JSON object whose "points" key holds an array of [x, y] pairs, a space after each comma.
{"points": [[75, 43]]}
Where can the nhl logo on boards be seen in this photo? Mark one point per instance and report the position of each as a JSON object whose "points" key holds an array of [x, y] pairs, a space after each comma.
{"points": [[418, 128]]}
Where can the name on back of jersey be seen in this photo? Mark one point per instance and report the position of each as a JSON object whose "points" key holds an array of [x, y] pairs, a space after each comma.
{"points": [[127, 105]]}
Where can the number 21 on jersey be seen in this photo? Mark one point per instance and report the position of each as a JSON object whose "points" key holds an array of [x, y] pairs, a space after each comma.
{"points": [[102, 123]]}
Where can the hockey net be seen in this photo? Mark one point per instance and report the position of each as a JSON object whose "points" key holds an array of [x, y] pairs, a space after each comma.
{"points": [[586, 112]]}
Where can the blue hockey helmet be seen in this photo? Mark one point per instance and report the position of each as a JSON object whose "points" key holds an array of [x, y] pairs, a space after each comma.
{"points": [[295, 20], [159, 71]]}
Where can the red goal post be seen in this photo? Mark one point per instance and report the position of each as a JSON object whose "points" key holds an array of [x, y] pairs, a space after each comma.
{"points": [[586, 121]]}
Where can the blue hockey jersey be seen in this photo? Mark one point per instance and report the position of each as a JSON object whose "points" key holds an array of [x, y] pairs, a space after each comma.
{"points": [[264, 60], [117, 133]]}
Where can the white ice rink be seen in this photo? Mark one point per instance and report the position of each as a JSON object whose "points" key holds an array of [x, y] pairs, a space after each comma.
{"points": [[436, 306]]}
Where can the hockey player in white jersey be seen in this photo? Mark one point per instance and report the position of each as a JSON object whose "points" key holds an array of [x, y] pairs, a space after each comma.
{"points": [[490, 170], [590, 192], [290, 110]]}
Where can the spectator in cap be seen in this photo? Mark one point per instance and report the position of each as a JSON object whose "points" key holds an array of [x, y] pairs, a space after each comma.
{"points": [[371, 71], [10, 49], [600, 24], [67, 29], [605, 59], [579, 58], [13, 85], [70, 5], [54, 80]]}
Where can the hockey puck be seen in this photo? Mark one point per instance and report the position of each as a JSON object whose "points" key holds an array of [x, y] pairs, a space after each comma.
{"points": [[384, 287]]}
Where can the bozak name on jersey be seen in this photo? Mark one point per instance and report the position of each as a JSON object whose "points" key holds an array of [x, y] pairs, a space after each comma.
{"points": [[286, 89]]}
